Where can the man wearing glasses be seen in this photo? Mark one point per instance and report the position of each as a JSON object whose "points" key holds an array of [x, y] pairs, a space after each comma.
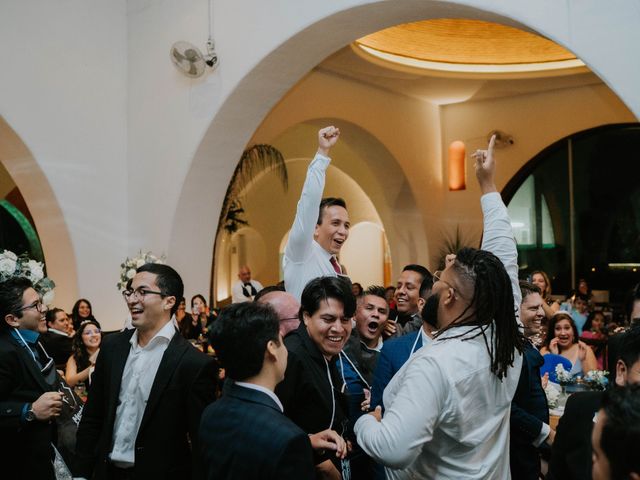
{"points": [[27, 380], [148, 391]]}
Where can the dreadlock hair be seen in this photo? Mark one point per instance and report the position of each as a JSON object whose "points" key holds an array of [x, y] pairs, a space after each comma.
{"points": [[491, 304]]}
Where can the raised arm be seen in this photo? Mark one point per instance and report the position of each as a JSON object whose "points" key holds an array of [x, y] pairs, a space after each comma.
{"points": [[304, 223], [498, 234]]}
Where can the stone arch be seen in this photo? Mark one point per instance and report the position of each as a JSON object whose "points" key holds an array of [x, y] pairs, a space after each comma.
{"points": [[47, 215], [277, 73]]}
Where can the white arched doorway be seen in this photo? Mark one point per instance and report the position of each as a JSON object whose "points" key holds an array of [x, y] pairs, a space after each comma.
{"points": [[275, 74]]}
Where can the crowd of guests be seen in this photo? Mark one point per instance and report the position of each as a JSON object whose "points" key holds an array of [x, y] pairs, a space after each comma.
{"points": [[437, 377]]}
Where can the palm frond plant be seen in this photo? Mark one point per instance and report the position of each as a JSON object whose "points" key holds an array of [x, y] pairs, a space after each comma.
{"points": [[260, 158]]}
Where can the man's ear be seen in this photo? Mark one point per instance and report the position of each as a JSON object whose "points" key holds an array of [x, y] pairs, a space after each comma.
{"points": [[421, 302], [270, 351], [450, 296], [621, 373], [169, 302], [305, 318], [11, 320]]}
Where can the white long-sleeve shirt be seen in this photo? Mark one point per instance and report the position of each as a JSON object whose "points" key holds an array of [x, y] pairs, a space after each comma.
{"points": [[304, 259], [137, 380], [447, 414]]}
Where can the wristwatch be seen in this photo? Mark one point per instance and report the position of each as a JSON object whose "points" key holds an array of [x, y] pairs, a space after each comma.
{"points": [[30, 416]]}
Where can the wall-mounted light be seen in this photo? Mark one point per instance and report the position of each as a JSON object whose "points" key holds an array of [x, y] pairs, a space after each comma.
{"points": [[457, 173]]}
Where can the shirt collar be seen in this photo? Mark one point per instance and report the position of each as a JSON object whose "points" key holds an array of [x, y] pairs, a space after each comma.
{"points": [[30, 336], [167, 332], [264, 390], [59, 332], [377, 348]]}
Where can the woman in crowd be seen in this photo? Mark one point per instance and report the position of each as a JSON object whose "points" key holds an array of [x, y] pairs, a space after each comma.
{"points": [[562, 339], [356, 289], [594, 334], [541, 280], [181, 312], [81, 312], [196, 324], [86, 345]]}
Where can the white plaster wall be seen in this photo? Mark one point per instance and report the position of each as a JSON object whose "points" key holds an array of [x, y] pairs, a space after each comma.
{"points": [[63, 92], [138, 156]]}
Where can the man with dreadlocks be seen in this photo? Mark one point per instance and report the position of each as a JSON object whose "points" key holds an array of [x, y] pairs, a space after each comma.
{"points": [[447, 409]]}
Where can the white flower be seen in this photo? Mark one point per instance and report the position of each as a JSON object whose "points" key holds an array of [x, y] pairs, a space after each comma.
{"points": [[9, 254], [47, 298], [140, 262], [7, 264], [552, 394], [35, 271], [131, 273]]}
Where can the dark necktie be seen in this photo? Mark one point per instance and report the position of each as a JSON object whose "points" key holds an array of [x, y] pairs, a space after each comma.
{"points": [[335, 265], [248, 290]]}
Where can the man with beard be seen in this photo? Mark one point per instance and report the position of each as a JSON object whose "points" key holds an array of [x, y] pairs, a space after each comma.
{"points": [[530, 428], [396, 351], [311, 392], [320, 227], [447, 410]]}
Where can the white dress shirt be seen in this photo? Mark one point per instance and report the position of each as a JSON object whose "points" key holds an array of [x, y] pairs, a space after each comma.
{"points": [[237, 295], [304, 259], [448, 415], [137, 380]]}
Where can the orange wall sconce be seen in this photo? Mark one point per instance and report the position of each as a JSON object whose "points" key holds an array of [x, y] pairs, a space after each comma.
{"points": [[457, 173]]}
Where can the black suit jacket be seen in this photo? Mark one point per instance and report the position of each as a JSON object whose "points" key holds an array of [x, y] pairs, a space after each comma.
{"points": [[26, 448], [244, 435], [183, 386], [571, 452], [59, 347], [529, 411]]}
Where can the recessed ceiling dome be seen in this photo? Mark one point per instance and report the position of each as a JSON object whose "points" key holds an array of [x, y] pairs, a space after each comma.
{"points": [[463, 42]]}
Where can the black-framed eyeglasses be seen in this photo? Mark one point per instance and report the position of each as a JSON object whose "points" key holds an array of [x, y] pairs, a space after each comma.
{"points": [[139, 293], [39, 306]]}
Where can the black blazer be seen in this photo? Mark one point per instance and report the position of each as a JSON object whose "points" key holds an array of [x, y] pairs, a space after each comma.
{"points": [[244, 435], [26, 448], [529, 411], [571, 452], [184, 385], [59, 347]]}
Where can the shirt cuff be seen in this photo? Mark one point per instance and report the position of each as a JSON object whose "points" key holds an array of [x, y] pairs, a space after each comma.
{"points": [[542, 436], [490, 199], [23, 415]]}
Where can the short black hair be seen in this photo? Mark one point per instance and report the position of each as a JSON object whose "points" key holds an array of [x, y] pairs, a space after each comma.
{"points": [[330, 202], [376, 291], [266, 290], [51, 315], [167, 279], [11, 291], [527, 288], [426, 286], [323, 288], [621, 431], [630, 347], [240, 336], [420, 270]]}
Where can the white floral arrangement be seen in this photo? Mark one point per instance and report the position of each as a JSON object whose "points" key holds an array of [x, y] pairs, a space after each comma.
{"points": [[553, 395], [12, 265], [596, 379], [130, 265], [563, 376]]}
